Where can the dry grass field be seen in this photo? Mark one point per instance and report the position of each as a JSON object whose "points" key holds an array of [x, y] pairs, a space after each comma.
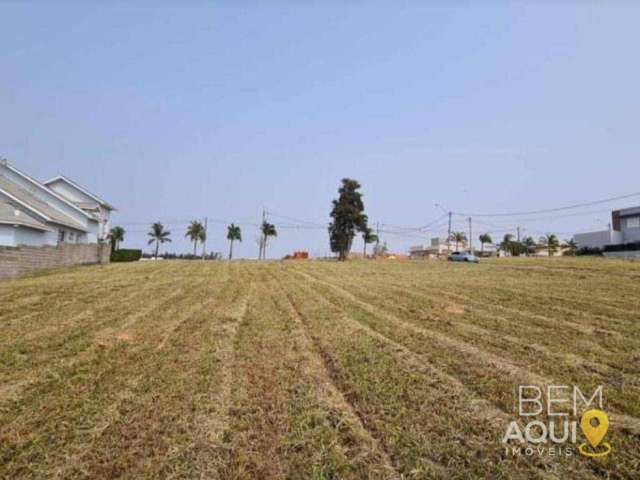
{"points": [[318, 370]]}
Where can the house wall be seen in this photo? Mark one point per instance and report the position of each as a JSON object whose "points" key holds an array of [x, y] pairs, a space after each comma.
{"points": [[7, 235], [597, 239], [29, 236], [630, 227], [68, 192], [17, 261], [99, 230]]}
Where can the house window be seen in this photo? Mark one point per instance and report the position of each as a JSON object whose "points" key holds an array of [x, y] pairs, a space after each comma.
{"points": [[633, 222], [61, 235], [72, 237]]}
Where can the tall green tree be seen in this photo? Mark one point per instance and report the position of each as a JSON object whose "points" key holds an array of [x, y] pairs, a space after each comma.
{"points": [[233, 233], [268, 230], [195, 233], [348, 218], [368, 237], [458, 237], [484, 238], [551, 242], [158, 235], [116, 235]]}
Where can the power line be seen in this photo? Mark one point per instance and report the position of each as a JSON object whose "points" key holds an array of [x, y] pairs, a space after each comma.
{"points": [[297, 220], [550, 210]]}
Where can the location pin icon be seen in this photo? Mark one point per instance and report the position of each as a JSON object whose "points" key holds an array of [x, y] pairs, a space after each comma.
{"points": [[596, 433]]}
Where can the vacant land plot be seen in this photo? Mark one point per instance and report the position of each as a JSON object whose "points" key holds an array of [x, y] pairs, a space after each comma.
{"points": [[249, 370]]}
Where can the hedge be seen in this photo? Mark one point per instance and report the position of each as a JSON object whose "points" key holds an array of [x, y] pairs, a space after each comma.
{"points": [[624, 247], [126, 255], [588, 251]]}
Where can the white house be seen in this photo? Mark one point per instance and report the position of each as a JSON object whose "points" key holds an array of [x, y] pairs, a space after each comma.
{"points": [[57, 211], [438, 247], [624, 228]]}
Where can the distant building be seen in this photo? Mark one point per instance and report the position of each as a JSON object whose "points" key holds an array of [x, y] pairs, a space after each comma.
{"points": [[50, 213], [437, 248], [487, 250], [624, 228]]}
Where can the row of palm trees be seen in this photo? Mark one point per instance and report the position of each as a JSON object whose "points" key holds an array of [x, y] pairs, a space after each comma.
{"points": [[197, 234], [525, 246]]}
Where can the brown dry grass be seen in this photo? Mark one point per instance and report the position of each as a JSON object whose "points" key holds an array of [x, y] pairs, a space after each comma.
{"points": [[310, 369]]}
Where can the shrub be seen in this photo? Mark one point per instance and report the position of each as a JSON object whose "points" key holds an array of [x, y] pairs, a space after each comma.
{"points": [[126, 255], [624, 247], [588, 251]]}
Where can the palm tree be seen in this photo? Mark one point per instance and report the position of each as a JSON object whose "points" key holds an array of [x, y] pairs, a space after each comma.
{"points": [[116, 235], [484, 238], [158, 235], [233, 233], [551, 242], [507, 243], [196, 233], [529, 245], [202, 239], [458, 237], [368, 237], [570, 246], [268, 230]]}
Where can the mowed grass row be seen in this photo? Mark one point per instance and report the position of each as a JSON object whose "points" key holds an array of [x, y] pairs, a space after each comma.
{"points": [[479, 351], [540, 344], [320, 370], [119, 406]]}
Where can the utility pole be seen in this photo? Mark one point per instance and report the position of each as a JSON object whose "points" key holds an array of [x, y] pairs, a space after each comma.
{"points": [[375, 251], [518, 233], [449, 235], [470, 238], [450, 213], [263, 240], [206, 235]]}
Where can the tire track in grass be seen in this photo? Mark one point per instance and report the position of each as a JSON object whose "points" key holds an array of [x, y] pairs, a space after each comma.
{"points": [[470, 366], [354, 437], [281, 425], [429, 423], [215, 424]]}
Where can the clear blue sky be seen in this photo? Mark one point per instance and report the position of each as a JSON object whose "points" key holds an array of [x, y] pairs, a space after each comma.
{"points": [[222, 109]]}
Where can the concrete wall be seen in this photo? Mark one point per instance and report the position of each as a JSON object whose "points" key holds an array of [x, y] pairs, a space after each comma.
{"points": [[630, 234], [632, 254], [598, 239], [16, 261]]}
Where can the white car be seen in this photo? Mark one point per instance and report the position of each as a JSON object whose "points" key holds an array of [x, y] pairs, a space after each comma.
{"points": [[462, 257]]}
